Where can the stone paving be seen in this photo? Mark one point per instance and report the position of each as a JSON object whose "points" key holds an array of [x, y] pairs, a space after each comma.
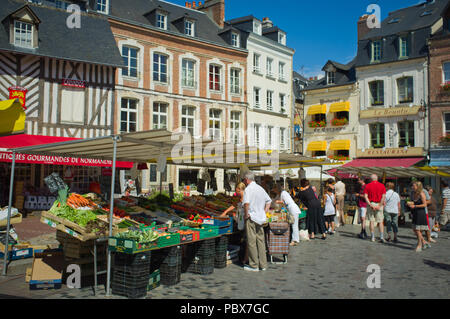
{"points": [[335, 268]]}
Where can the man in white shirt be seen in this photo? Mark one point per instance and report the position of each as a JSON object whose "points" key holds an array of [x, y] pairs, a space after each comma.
{"points": [[444, 217], [256, 204], [339, 188]]}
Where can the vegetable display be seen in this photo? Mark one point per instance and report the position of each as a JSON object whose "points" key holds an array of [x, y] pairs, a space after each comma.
{"points": [[140, 236], [78, 201]]}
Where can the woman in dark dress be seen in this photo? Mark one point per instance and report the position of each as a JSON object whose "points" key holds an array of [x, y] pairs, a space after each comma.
{"points": [[314, 218], [419, 216]]}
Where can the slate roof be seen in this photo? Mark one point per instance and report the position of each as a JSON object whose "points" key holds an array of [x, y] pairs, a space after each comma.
{"points": [[299, 79], [135, 11], [400, 23], [345, 74], [93, 43]]}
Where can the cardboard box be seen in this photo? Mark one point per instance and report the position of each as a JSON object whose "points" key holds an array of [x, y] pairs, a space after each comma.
{"points": [[47, 271]]}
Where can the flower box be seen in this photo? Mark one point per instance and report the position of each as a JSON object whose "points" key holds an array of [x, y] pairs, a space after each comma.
{"points": [[378, 146], [445, 140], [377, 103], [315, 124], [339, 158], [339, 122], [445, 87]]}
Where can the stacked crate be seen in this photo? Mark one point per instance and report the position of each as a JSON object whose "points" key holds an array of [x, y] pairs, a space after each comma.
{"points": [[168, 262], [220, 260], [200, 257]]}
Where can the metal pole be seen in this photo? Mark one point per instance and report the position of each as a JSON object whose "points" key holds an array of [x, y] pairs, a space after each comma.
{"points": [[111, 213], [160, 183], [321, 182], [8, 226]]}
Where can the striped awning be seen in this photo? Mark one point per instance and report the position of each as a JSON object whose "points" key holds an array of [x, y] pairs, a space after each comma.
{"points": [[340, 107], [340, 145], [319, 146], [317, 109]]}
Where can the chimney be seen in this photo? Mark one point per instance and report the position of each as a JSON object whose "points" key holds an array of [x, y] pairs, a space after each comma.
{"points": [[315, 78], [215, 9], [267, 23], [363, 28], [186, 4], [194, 5], [199, 3]]}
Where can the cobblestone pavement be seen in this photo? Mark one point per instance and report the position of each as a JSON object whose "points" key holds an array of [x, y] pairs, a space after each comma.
{"points": [[335, 268]]}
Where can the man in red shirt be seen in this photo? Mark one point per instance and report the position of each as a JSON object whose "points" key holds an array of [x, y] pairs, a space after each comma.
{"points": [[375, 196]]}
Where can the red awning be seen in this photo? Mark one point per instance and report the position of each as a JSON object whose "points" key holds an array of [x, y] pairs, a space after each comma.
{"points": [[24, 140], [384, 162]]}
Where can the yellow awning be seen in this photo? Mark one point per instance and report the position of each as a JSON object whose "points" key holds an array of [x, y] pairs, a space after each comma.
{"points": [[12, 116], [340, 145], [319, 146], [340, 107], [317, 109]]}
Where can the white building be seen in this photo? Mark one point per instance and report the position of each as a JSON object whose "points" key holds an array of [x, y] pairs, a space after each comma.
{"points": [[269, 78]]}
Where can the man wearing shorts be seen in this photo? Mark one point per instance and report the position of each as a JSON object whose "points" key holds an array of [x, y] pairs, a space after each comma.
{"points": [[362, 208], [375, 195], [444, 218], [339, 189]]}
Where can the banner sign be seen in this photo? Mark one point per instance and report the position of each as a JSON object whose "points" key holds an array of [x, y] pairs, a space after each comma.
{"points": [[60, 160], [19, 93], [74, 83]]}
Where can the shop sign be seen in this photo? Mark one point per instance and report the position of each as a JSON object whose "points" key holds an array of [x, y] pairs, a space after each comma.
{"points": [[19, 93], [391, 152], [74, 83], [329, 129], [389, 112], [106, 171]]}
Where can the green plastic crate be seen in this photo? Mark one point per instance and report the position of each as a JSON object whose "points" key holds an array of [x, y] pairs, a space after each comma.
{"points": [[208, 231], [155, 280], [302, 214], [171, 240], [129, 246]]}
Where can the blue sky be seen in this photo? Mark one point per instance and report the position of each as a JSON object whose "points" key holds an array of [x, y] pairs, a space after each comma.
{"points": [[318, 30]]}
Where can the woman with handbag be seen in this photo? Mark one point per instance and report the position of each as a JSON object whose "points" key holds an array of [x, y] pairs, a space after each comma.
{"points": [[314, 219], [417, 205], [330, 210], [282, 197]]}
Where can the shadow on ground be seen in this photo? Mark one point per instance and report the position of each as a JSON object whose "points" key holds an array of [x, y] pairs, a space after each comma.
{"points": [[436, 265]]}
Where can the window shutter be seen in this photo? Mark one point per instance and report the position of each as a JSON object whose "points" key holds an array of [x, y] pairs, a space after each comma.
{"points": [[263, 136], [276, 138], [251, 134]]}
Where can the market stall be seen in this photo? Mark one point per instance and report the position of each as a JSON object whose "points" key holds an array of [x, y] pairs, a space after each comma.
{"points": [[172, 149]]}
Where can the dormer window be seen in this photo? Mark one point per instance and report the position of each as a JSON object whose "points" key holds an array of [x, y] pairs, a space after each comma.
{"points": [[189, 27], [257, 28], [376, 51], [331, 78], [235, 39], [102, 6], [23, 34], [282, 38], [161, 20], [24, 28], [404, 46]]}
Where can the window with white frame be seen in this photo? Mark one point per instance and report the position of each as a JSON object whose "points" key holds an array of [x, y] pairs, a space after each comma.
{"points": [[257, 134], [160, 68], [215, 120], [282, 138], [235, 39], [404, 46], [257, 27], [102, 6], [331, 78], [257, 97], [214, 78], [130, 59], [446, 71], [188, 73], [256, 63], [406, 134], [283, 103], [282, 38], [161, 20], [377, 135], [128, 115], [269, 100], [188, 119], [447, 123], [23, 34], [189, 28], [281, 69], [153, 173], [405, 89], [235, 126], [235, 81], [270, 137], [377, 92], [72, 105], [269, 67], [160, 115]]}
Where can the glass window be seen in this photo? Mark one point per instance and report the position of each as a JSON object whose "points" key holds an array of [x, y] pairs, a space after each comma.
{"points": [[256, 63], [404, 47], [269, 67], [405, 90], [270, 137], [447, 123], [235, 125], [188, 119], [160, 116], [161, 21], [102, 6], [406, 134], [446, 68], [331, 77], [281, 74], [160, 68], [376, 51], [153, 173], [128, 116], [377, 135], [377, 92], [282, 38], [257, 129], [235, 81], [188, 73], [235, 40], [129, 56], [319, 154], [269, 101], [23, 34], [257, 27], [215, 119], [282, 138], [283, 103], [214, 78], [257, 97], [189, 27]]}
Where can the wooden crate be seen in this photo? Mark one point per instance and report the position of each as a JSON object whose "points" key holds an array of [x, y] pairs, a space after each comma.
{"points": [[14, 220]]}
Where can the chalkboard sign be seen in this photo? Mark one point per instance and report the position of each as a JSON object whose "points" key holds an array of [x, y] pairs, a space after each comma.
{"points": [[201, 186], [171, 194]]}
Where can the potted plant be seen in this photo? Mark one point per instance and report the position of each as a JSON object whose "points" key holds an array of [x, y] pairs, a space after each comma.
{"points": [[315, 124], [339, 122], [378, 146], [445, 140], [446, 87]]}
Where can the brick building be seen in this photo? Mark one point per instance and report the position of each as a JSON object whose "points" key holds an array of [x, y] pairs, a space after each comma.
{"points": [[184, 71], [439, 74]]}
